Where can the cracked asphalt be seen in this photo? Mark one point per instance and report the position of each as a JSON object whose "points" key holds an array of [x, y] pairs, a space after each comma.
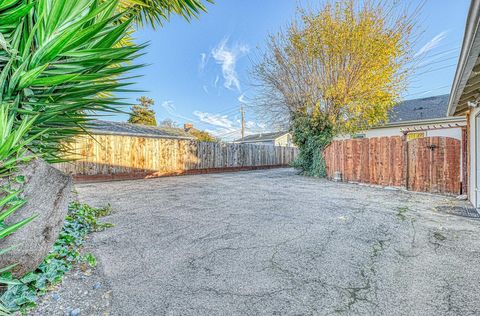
{"points": [[276, 243]]}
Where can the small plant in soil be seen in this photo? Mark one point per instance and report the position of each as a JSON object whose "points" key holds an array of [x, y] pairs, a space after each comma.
{"points": [[21, 294]]}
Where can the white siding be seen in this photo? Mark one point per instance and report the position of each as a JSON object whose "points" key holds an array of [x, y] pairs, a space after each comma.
{"points": [[381, 132], [398, 131], [284, 140], [472, 185]]}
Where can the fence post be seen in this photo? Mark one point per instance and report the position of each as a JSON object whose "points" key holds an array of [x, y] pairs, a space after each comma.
{"points": [[405, 160]]}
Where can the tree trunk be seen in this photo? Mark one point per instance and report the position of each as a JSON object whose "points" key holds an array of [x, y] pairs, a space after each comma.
{"points": [[47, 192]]}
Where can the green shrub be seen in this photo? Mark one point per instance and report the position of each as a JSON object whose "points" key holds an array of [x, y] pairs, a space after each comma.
{"points": [[81, 220], [312, 135]]}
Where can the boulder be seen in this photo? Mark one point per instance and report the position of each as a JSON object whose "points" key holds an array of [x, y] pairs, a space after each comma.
{"points": [[48, 192]]}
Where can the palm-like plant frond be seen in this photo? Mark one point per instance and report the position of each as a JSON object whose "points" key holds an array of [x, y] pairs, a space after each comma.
{"points": [[56, 57], [13, 147], [155, 12]]}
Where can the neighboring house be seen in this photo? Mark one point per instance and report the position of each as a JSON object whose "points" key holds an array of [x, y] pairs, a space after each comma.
{"points": [[274, 139], [465, 97], [417, 118], [201, 136], [127, 129]]}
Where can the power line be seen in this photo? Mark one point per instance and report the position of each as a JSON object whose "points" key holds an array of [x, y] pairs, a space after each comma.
{"points": [[229, 133], [233, 111], [228, 110], [435, 62], [444, 52], [433, 70], [426, 91]]}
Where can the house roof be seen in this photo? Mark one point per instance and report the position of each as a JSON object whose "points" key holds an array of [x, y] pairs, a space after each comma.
{"points": [[127, 129], [419, 109], [466, 84], [264, 137]]}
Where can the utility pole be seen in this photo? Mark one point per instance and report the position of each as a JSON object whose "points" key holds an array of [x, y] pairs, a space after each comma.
{"points": [[243, 121]]}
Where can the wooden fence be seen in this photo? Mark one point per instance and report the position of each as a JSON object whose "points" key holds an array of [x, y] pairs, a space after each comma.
{"points": [[113, 157], [427, 164], [368, 160], [434, 165]]}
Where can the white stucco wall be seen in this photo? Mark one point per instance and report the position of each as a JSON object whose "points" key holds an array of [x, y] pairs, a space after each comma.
{"points": [[381, 132], [285, 140], [474, 160], [398, 131]]}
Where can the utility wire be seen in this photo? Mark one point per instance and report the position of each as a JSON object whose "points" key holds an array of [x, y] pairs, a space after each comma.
{"points": [[435, 62], [448, 51], [437, 69], [229, 133], [426, 91]]}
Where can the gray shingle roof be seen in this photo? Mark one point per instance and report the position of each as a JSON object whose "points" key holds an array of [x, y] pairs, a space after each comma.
{"points": [[420, 109], [262, 137], [122, 128]]}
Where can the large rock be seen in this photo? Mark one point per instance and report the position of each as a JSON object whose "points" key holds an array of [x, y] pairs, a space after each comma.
{"points": [[48, 192]]}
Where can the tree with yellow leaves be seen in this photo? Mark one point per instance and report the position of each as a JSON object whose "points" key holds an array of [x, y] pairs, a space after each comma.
{"points": [[335, 71]]}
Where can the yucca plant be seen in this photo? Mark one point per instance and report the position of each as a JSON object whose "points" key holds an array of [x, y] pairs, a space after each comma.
{"points": [[13, 151], [58, 56], [13, 140], [61, 62], [13, 147], [155, 12]]}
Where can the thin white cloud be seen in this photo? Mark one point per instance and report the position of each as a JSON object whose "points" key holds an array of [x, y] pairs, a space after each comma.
{"points": [[225, 128], [222, 126], [262, 126], [227, 57], [433, 43], [214, 119], [242, 99], [168, 105], [203, 61], [171, 109], [250, 125], [217, 79]]}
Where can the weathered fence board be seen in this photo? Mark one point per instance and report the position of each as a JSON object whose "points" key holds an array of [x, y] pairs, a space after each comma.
{"points": [[434, 165], [115, 157], [369, 160], [426, 164]]}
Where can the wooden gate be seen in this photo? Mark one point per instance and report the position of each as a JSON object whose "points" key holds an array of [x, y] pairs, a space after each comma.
{"points": [[433, 165], [429, 164]]}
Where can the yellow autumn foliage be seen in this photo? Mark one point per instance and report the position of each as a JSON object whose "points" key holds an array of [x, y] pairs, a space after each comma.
{"points": [[347, 62]]}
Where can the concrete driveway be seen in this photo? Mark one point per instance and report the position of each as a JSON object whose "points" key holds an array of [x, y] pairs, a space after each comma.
{"points": [[276, 243]]}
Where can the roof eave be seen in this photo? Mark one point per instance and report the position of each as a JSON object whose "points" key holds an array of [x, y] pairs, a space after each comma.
{"points": [[255, 140], [444, 120], [103, 132], [468, 57], [259, 139]]}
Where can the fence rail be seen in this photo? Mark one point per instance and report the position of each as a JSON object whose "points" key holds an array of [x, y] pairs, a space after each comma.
{"points": [[113, 157]]}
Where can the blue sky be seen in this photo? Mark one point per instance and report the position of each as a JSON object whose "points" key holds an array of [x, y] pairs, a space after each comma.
{"points": [[199, 71]]}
